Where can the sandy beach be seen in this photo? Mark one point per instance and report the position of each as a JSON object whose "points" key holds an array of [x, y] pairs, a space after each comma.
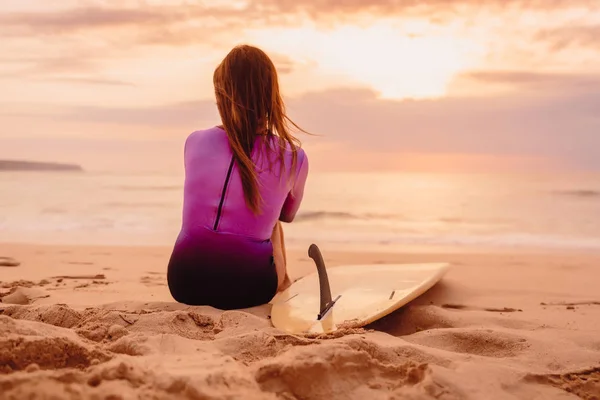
{"points": [[99, 323]]}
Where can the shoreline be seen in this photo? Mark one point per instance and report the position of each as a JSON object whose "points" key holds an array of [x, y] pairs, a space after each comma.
{"points": [[345, 248]]}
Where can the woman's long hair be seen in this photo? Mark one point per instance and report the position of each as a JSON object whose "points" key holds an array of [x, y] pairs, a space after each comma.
{"points": [[250, 105]]}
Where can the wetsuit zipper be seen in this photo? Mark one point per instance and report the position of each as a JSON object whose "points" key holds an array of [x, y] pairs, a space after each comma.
{"points": [[223, 195]]}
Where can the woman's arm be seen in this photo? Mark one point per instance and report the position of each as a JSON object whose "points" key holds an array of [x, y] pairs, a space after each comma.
{"points": [[294, 197]]}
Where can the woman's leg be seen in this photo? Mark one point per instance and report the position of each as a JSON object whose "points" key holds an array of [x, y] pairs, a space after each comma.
{"points": [[283, 280]]}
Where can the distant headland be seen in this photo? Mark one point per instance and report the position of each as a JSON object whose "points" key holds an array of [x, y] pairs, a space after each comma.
{"points": [[21, 165]]}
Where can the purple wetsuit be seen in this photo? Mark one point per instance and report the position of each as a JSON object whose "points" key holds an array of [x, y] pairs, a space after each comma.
{"points": [[223, 256]]}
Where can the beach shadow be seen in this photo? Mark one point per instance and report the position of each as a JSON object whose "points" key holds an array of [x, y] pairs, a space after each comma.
{"points": [[442, 293], [423, 313]]}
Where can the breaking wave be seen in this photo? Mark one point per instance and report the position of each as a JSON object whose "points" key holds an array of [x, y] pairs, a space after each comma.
{"points": [[340, 215], [586, 193]]}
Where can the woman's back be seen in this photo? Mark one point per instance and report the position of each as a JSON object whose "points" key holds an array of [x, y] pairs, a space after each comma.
{"points": [[241, 178], [213, 193]]}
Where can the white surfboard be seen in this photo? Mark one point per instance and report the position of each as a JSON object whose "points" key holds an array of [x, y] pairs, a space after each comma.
{"points": [[359, 294]]}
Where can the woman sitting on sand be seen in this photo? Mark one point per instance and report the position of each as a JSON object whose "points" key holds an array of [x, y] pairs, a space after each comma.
{"points": [[241, 179]]}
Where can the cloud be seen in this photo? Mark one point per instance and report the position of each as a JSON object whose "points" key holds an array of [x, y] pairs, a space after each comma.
{"points": [[89, 81], [79, 80], [88, 18], [77, 40], [72, 61], [561, 119], [254, 13], [75, 67], [111, 27], [527, 81], [84, 18], [545, 113], [572, 36], [112, 30], [184, 115], [385, 7]]}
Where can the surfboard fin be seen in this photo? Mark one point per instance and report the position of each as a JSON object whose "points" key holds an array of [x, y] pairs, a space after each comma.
{"points": [[326, 300]]}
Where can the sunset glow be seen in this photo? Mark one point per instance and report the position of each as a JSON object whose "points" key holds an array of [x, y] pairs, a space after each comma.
{"points": [[380, 56]]}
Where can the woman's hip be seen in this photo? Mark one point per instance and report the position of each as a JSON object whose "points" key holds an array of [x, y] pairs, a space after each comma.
{"points": [[222, 270]]}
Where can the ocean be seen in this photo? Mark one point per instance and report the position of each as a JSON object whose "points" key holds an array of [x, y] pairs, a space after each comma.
{"points": [[383, 211]]}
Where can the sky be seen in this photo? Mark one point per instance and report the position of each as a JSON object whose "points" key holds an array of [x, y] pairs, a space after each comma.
{"points": [[433, 85]]}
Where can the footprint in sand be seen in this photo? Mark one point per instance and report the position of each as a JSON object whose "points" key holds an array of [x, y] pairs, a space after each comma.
{"points": [[481, 342], [488, 309], [154, 280], [23, 295], [568, 305], [92, 283], [8, 262], [14, 284], [45, 352], [309, 373], [584, 384], [97, 276], [60, 315], [79, 262]]}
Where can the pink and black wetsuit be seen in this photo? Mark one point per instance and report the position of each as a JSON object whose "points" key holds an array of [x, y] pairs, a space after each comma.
{"points": [[223, 256]]}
